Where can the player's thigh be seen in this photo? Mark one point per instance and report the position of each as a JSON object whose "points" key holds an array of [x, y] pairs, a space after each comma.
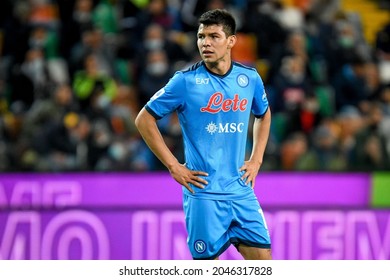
{"points": [[254, 253], [250, 228]]}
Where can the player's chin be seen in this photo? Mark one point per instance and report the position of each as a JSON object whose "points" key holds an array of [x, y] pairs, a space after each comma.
{"points": [[208, 59]]}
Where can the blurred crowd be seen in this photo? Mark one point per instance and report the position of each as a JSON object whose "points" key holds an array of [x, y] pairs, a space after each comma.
{"points": [[75, 73]]}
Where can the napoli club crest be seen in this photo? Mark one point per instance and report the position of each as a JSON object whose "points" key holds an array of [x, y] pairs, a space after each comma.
{"points": [[242, 80], [200, 246]]}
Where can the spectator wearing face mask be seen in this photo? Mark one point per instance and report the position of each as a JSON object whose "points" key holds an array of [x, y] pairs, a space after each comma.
{"points": [[157, 39], [45, 39], [154, 75], [342, 46], [36, 77], [75, 24]]}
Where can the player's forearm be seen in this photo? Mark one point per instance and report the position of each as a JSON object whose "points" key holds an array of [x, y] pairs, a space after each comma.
{"points": [[261, 129], [147, 126]]}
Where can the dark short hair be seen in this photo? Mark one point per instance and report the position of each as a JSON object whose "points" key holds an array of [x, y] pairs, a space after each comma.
{"points": [[219, 17]]}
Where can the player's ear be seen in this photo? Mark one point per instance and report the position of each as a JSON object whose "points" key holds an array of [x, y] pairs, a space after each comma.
{"points": [[232, 41]]}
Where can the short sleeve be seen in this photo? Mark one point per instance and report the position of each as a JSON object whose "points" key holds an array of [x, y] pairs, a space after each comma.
{"points": [[260, 100], [168, 98]]}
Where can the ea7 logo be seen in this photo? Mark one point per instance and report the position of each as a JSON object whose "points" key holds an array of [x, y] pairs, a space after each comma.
{"points": [[202, 81]]}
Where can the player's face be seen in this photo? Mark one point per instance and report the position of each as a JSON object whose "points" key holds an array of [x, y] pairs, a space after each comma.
{"points": [[213, 44]]}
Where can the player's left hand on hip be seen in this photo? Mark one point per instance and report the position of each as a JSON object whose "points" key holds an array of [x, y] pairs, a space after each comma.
{"points": [[251, 169]]}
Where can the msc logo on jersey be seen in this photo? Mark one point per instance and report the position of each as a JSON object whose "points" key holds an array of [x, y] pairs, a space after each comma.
{"points": [[200, 246], [242, 80], [224, 128]]}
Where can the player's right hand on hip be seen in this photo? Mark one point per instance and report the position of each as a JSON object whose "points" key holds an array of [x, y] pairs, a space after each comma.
{"points": [[187, 177]]}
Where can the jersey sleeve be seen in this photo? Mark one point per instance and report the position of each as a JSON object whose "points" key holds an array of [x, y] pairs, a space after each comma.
{"points": [[168, 98], [260, 100]]}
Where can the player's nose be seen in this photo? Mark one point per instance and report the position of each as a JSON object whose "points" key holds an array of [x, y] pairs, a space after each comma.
{"points": [[206, 42]]}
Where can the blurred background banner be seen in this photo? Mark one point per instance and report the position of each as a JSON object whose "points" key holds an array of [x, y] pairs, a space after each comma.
{"points": [[139, 216]]}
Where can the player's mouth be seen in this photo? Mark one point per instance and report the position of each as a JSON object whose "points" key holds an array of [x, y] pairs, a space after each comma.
{"points": [[207, 53]]}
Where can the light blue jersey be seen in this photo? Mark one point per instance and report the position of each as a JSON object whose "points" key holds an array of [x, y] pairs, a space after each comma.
{"points": [[214, 113]]}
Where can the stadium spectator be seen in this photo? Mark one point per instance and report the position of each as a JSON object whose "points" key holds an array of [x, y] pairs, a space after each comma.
{"points": [[382, 51], [343, 43], [324, 153], [292, 96], [371, 150], [350, 85], [93, 82], [62, 146], [348, 122], [158, 12], [75, 20], [292, 151], [155, 39], [92, 42], [155, 74]]}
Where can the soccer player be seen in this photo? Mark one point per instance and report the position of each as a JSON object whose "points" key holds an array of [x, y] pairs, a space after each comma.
{"points": [[214, 99]]}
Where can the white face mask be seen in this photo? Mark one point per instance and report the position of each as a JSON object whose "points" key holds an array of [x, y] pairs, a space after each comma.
{"points": [[103, 101], [34, 68], [82, 16], [157, 68], [346, 41], [292, 76], [117, 151], [36, 43], [39, 2], [296, 77], [37, 64], [154, 44]]}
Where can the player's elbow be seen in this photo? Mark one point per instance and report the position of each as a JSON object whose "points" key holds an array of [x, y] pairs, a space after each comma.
{"points": [[139, 120], [268, 114], [142, 119]]}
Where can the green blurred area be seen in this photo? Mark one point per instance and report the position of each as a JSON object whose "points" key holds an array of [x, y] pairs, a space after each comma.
{"points": [[380, 196]]}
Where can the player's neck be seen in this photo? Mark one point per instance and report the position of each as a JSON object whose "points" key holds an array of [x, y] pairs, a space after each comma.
{"points": [[220, 67]]}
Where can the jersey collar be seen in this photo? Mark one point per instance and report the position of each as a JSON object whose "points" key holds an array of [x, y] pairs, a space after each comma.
{"points": [[217, 75]]}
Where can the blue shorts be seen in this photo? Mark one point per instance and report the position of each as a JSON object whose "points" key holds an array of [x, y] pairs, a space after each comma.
{"points": [[213, 225]]}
